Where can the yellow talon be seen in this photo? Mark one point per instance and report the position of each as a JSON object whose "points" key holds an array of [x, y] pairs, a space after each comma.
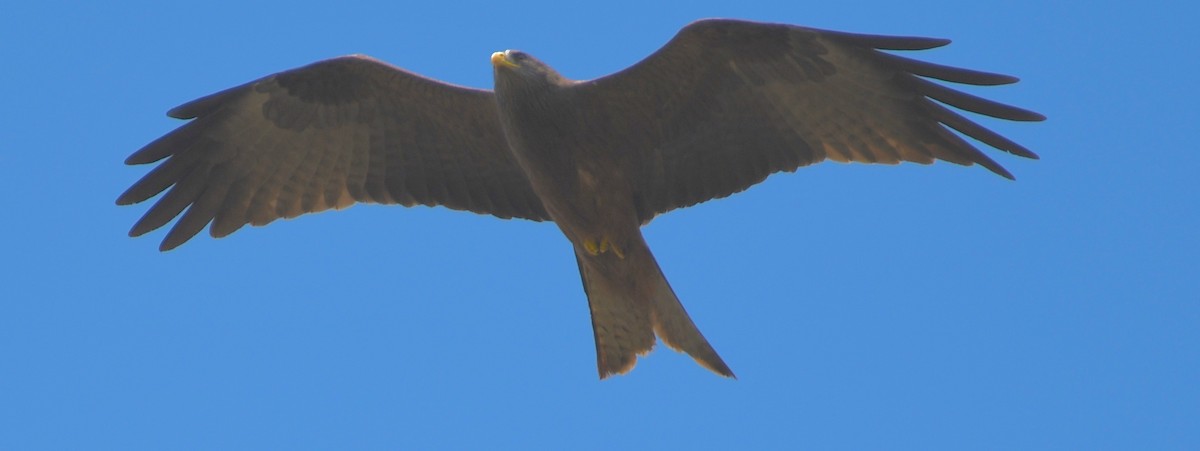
{"points": [[616, 250], [594, 248]]}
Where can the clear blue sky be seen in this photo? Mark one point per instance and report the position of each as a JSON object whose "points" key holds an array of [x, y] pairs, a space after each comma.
{"points": [[862, 307]]}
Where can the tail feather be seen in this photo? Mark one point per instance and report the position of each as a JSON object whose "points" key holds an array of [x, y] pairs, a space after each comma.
{"points": [[631, 302], [623, 327], [675, 327]]}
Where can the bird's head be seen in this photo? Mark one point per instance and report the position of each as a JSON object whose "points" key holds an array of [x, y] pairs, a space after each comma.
{"points": [[517, 67]]}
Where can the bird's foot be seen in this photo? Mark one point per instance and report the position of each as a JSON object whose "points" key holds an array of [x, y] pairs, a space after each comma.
{"points": [[604, 245]]}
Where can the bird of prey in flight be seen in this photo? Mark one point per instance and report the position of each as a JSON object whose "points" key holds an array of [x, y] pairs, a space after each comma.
{"points": [[721, 106]]}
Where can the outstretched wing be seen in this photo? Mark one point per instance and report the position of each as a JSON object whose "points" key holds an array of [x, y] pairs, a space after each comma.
{"points": [[344, 130], [726, 103]]}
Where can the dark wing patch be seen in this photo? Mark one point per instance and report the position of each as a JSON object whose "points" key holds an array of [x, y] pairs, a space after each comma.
{"points": [[324, 136], [726, 103]]}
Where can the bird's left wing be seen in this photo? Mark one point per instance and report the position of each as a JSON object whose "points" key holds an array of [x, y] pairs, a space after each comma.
{"points": [[345, 130], [726, 103]]}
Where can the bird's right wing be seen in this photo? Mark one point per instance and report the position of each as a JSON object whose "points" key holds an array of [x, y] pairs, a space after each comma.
{"points": [[344, 130]]}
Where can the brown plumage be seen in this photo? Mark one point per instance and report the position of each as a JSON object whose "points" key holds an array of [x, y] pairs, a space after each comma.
{"points": [[719, 108]]}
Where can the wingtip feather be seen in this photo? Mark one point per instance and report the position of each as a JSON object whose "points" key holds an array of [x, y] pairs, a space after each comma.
{"points": [[884, 42], [207, 104]]}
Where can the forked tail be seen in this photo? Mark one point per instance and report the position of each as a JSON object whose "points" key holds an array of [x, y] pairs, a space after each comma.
{"points": [[631, 302]]}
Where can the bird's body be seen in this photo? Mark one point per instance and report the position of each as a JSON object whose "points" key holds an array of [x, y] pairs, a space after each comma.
{"points": [[719, 108], [575, 180], [587, 191]]}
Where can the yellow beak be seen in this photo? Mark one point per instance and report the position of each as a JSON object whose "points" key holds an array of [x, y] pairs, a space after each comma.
{"points": [[500, 59]]}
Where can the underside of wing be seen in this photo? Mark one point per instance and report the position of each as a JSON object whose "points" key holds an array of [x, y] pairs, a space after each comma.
{"points": [[325, 136], [726, 103]]}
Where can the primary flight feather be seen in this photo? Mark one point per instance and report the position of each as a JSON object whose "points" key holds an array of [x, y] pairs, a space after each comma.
{"points": [[720, 107]]}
